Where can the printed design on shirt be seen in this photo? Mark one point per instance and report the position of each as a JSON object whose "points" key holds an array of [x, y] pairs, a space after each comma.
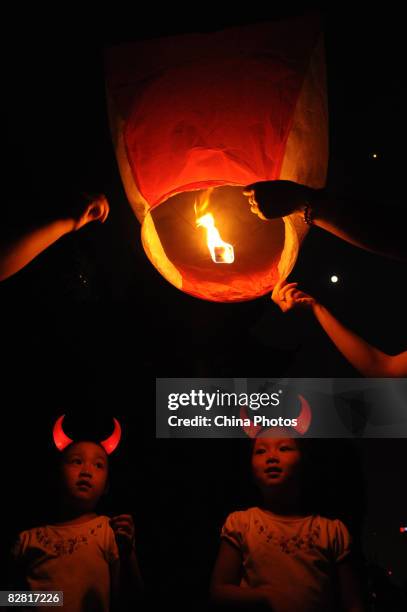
{"points": [[61, 547], [289, 545]]}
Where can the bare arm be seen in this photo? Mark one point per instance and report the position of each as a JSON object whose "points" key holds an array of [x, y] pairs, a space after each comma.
{"points": [[367, 359], [130, 572], [226, 577], [349, 589], [370, 226], [127, 583], [17, 252]]}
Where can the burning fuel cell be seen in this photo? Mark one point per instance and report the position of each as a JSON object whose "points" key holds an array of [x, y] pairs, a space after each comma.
{"points": [[221, 251], [224, 254]]}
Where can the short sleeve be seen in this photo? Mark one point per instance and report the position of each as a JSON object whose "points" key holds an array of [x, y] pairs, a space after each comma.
{"points": [[341, 541], [234, 529], [18, 546]]}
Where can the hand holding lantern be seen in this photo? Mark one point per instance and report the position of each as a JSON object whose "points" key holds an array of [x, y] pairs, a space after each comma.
{"points": [[272, 199], [287, 296], [364, 357], [23, 246], [96, 210]]}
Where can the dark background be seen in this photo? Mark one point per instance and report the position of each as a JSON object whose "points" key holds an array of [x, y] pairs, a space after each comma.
{"points": [[88, 325]]}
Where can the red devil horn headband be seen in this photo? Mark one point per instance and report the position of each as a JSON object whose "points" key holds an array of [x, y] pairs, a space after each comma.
{"points": [[112, 442], [303, 420], [61, 440]]}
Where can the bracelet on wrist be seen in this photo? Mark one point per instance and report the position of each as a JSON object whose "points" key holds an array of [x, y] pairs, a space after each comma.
{"points": [[307, 214]]}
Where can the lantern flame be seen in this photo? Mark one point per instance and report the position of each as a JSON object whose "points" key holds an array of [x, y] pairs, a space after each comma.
{"points": [[221, 251]]}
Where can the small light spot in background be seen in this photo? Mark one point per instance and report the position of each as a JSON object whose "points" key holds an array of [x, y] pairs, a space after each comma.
{"points": [[375, 156], [334, 279]]}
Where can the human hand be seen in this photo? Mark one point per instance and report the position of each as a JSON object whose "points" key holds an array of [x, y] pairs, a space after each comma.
{"points": [[97, 210], [272, 199], [287, 296], [124, 532]]}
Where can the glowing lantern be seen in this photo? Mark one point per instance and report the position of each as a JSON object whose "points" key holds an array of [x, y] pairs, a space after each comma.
{"points": [[195, 118]]}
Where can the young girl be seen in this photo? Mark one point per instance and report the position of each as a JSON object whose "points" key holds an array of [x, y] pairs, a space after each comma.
{"points": [[89, 557], [276, 554]]}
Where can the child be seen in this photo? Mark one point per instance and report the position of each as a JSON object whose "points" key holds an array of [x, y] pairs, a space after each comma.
{"points": [[87, 556], [276, 554]]}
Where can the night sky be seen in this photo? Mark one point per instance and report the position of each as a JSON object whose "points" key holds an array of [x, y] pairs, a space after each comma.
{"points": [[90, 323]]}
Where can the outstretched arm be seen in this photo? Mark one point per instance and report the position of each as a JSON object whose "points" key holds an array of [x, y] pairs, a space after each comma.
{"points": [[371, 226], [367, 359], [18, 251]]}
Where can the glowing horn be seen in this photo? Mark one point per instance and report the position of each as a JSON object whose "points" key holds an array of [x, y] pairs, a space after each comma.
{"points": [[251, 430], [304, 418], [112, 442], [61, 440]]}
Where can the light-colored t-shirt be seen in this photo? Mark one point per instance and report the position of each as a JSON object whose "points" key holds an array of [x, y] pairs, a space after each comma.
{"points": [[295, 557], [75, 559]]}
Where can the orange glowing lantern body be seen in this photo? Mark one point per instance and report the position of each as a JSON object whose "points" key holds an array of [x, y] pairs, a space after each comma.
{"points": [[194, 118]]}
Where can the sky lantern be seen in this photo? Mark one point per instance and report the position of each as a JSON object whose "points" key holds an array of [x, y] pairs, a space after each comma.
{"points": [[194, 118]]}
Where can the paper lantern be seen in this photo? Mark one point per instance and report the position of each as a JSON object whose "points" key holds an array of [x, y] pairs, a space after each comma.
{"points": [[195, 118]]}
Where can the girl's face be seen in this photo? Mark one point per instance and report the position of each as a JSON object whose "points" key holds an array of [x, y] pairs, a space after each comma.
{"points": [[84, 474], [275, 461]]}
